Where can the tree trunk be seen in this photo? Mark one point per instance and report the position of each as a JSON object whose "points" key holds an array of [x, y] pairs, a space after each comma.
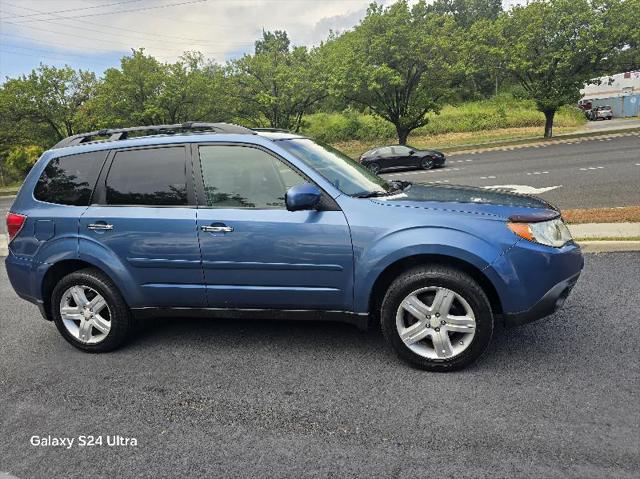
{"points": [[548, 123], [403, 133]]}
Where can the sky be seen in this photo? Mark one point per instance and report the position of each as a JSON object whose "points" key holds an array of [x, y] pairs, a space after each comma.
{"points": [[95, 34]]}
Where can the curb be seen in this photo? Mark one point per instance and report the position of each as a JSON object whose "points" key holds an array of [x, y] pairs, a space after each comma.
{"points": [[608, 246], [605, 231], [4, 249]]}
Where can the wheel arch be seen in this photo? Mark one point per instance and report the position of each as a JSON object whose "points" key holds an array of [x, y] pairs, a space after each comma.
{"points": [[393, 270], [59, 270]]}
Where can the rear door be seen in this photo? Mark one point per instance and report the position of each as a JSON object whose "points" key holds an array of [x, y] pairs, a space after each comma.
{"points": [[255, 253], [143, 215]]}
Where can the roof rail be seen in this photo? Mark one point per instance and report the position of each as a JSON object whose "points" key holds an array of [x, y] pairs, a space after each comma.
{"points": [[273, 130], [115, 134]]}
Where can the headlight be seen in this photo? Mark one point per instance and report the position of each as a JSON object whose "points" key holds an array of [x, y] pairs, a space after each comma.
{"points": [[552, 233]]}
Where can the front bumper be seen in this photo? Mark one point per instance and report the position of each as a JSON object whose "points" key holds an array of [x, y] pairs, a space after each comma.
{"points": [[551, 302]]}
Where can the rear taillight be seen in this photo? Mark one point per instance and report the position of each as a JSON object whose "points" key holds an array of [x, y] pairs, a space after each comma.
{"points": [[15, 222]]}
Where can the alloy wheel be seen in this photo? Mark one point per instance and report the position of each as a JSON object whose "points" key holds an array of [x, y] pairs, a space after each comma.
{"points": [[436, 323], [85, 314], [426, 163]]}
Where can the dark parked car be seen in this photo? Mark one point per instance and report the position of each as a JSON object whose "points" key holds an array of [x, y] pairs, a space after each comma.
{"points": [[401, 156]]}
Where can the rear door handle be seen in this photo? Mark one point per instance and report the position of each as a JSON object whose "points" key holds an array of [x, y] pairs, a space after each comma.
{"points": [[217, 229], [100, 227]]}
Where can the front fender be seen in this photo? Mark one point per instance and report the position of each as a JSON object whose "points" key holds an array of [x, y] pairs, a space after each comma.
{"points": [[419, 241]]}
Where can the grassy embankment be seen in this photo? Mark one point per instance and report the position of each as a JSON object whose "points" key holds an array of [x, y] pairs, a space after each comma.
{"points": [[499, 119]]}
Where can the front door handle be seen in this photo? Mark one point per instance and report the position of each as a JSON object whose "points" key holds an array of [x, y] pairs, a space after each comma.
{"points": [[217, 229], [100, 227]]}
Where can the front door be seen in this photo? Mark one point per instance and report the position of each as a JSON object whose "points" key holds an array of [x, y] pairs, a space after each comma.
{"points": [[143, 222], [255, 253]]}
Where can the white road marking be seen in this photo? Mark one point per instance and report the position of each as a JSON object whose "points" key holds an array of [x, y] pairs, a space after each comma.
{"points": [[538, 173], [487, 177], [592, 168], [523, 189]]}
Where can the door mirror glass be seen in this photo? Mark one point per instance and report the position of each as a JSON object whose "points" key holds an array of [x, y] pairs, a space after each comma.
{"points": [[303, 197]]}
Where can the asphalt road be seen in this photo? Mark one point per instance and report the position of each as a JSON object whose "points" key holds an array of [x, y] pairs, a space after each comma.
{"points": [[555, 399], [581, 174]]}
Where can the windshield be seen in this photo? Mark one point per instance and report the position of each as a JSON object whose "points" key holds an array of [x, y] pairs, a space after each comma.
{"points": [[347, 175]]}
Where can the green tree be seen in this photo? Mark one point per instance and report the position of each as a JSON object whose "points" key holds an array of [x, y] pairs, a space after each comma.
{"points": [[278, 84], [145, 91], [43, 107], [554, 46], [398, 62], [467, 12], [22, 158], [622, 19]]}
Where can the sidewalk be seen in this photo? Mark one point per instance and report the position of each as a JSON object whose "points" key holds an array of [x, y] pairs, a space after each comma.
{"points": [[605, 230]]}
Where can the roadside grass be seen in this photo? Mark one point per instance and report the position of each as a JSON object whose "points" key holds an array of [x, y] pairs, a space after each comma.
{"points": [[499, 118], [453, 141], [626, 214]]}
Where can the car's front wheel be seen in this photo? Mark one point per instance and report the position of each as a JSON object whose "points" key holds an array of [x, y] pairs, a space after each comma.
{"points": [[426, 163], [437, 318], [374, 167], [89, 311]]}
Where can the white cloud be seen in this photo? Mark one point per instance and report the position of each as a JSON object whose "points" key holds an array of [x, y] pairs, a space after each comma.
{"points": [[220, 29]]}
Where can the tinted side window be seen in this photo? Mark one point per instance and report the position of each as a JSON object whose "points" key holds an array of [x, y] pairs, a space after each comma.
{"points": [[156, 176], [245, 177], [400, 150], [69, 180], [386, 151]]}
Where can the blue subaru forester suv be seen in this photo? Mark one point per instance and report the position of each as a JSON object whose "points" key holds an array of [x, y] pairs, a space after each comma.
{"points": [[220, 220]]}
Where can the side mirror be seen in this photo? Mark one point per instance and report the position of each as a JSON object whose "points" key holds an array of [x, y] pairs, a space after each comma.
{"points": [[411, 152], [303, 197]]}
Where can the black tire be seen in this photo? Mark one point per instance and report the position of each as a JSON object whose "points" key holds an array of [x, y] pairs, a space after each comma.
{"points": [[374, 167], [119, 313], [458, 282], [426, 163]]}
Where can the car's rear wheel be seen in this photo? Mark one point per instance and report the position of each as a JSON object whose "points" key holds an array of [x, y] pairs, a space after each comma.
{"points": [[437, 318], [426, 163], [374, 167], [89, 311]]}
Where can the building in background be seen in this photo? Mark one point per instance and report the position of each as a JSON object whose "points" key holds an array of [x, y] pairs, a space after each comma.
{"points": [[621, 92]]}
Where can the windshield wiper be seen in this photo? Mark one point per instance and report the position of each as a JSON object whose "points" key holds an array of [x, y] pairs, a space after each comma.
{"points": [[371, 194], [400, 185], [396, 185]]}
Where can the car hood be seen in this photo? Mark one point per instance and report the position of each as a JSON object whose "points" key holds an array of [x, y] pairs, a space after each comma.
{"points": [[469, 199], [429, 152]]}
